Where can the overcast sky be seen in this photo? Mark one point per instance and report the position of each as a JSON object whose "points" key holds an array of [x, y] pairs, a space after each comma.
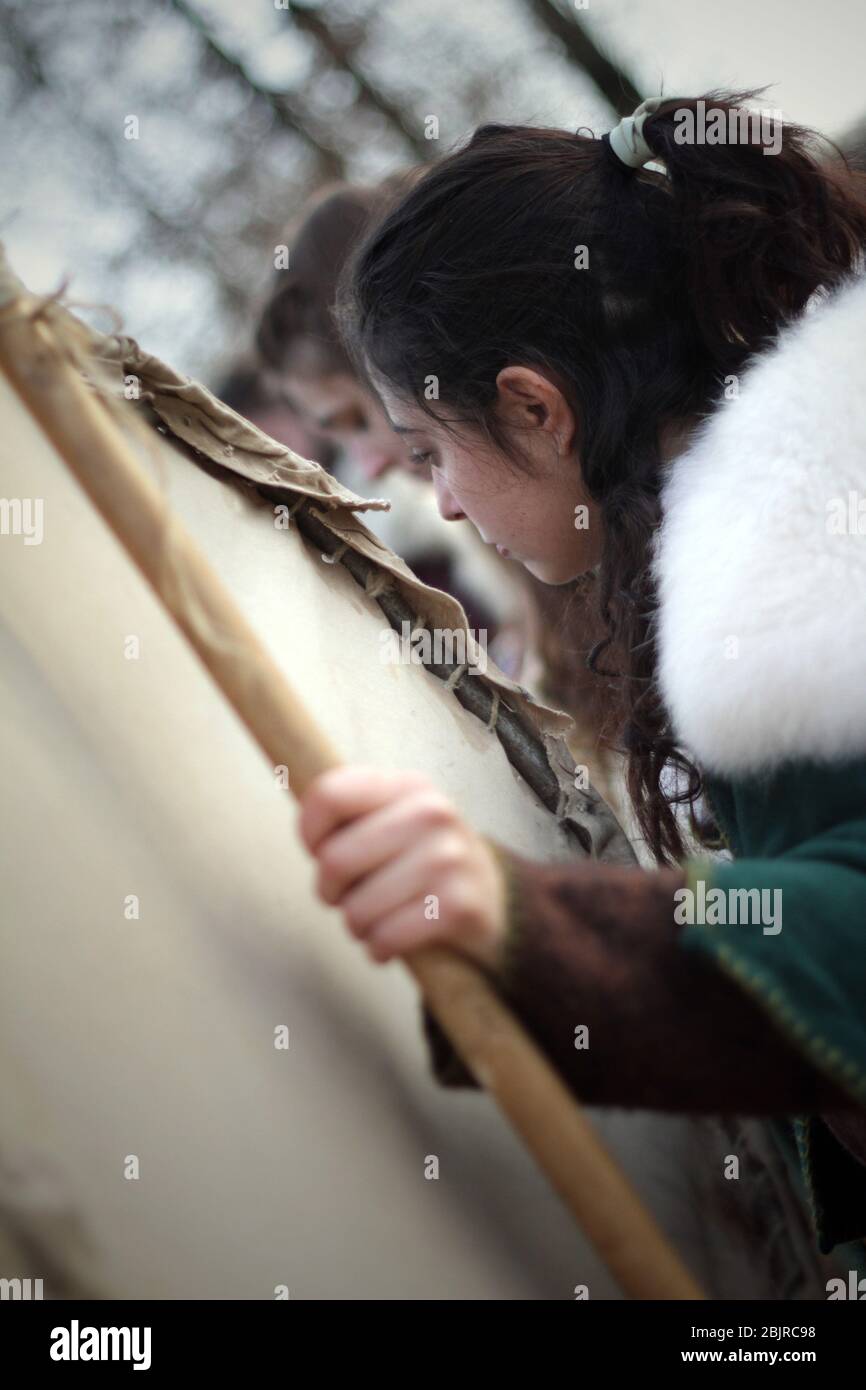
{"points": [[61, 216], [813, 53]]}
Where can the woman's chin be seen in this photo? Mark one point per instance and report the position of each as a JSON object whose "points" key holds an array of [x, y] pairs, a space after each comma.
{"points": [[549, 572]]}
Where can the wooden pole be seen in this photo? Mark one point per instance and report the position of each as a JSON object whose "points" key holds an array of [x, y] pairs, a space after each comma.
{"points": [[495, 1047]]}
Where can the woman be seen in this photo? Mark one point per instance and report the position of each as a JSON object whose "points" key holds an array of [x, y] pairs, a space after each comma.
{"points": [[659, 371], [303, 359]]}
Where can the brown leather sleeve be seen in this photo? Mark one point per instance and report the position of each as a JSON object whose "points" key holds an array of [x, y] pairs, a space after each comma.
{"points": [[595, 945]]}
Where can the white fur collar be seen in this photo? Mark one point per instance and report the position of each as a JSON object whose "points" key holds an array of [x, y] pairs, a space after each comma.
{"points": [[760, 568]]}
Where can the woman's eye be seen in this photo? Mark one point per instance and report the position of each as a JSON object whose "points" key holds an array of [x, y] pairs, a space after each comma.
{"points": [[419, 456]]}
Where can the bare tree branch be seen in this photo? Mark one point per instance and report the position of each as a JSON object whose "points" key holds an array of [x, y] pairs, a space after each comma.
{"points": [[611, 80], [177, 236], [285, 109], [341, 49]]}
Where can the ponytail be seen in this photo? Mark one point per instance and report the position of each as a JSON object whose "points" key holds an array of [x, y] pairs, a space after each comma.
{"points": [[764, 220]]}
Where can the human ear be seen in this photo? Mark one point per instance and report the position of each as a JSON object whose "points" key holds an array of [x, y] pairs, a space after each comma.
{"points": [[530, 399], [523, 396]]}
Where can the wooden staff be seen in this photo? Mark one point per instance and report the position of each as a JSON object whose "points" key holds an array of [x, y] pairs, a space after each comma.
{"points": [[497, 1050]]}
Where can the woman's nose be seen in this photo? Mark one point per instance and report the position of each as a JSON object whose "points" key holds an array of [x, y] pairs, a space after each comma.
{"points": [[448, 508]]}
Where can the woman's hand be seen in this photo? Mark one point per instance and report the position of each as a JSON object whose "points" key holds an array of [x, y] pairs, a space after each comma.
{"points": [[402, 865]]}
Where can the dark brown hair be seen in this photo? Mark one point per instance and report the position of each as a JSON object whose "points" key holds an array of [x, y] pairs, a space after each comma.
{"points": [[689, 273]]}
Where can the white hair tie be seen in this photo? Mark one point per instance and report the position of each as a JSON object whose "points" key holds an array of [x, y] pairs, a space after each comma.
{"points": [[627, 139]]}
